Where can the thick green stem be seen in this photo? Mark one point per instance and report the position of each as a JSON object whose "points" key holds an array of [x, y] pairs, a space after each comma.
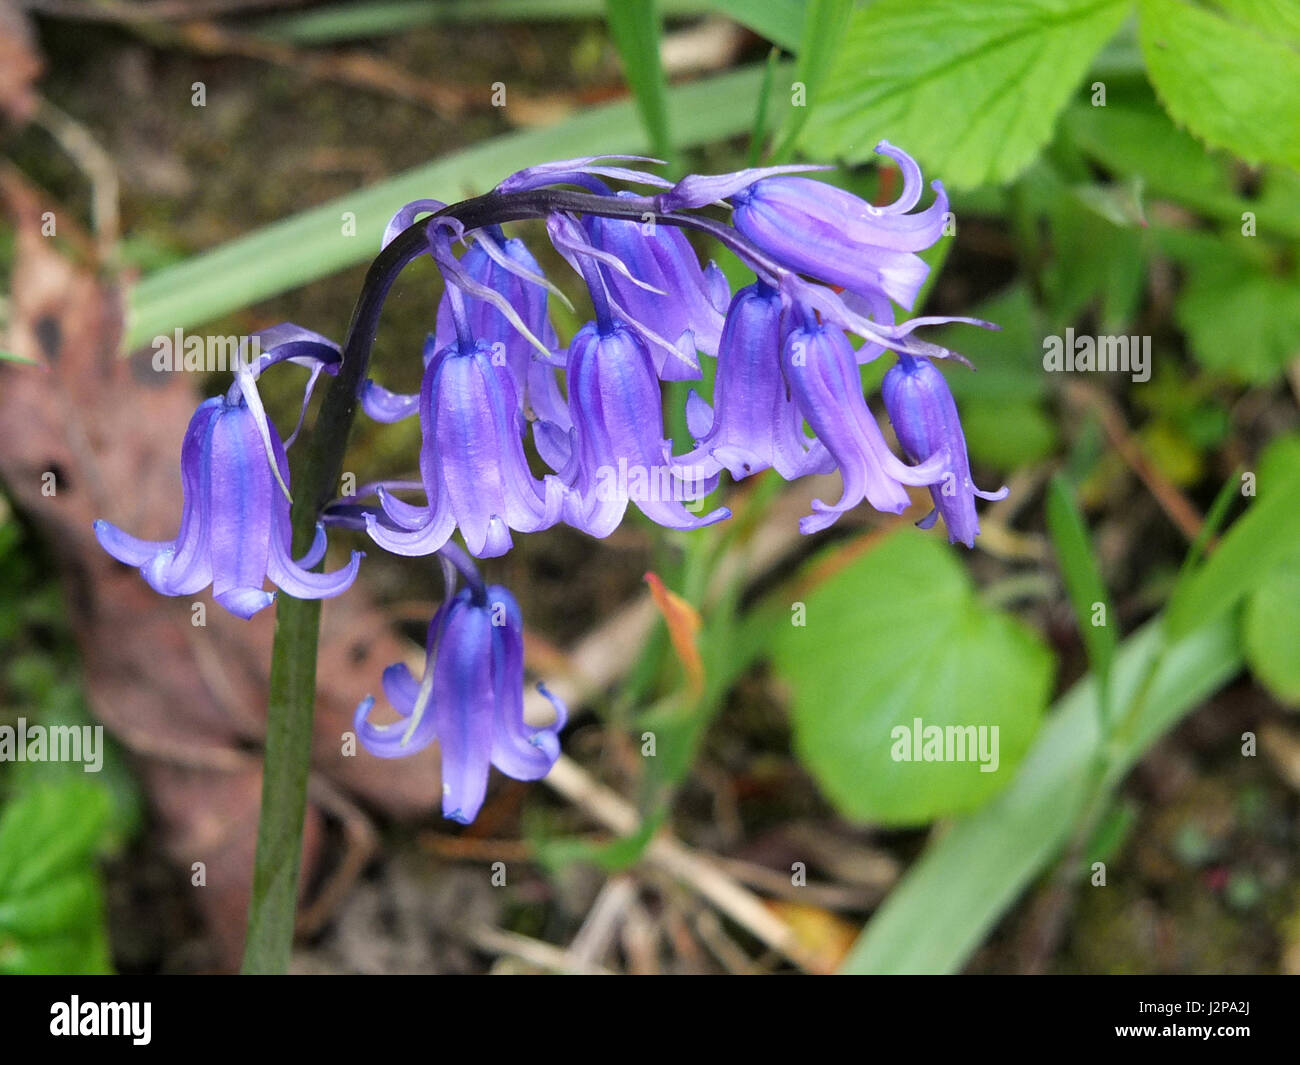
{"points": [[291, 708], [284, 787]]}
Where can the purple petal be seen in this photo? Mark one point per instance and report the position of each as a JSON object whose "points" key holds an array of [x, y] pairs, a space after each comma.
{"points": [[463, 697]]}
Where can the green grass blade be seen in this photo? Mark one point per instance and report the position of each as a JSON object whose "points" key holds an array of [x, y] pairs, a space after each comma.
{"points": [[1083, 583], [13, 356], [635, 27], [758, 132], [341, 22], [1260, 538], [823, 29], [311, 245], [780, 21]]}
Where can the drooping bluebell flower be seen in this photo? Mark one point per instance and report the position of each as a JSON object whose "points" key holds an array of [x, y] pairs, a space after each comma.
{"points": [[753, 424], [506, 266], [514, 322], [924, 415], [822, 371], [472, 462], [616, 452], [828, 233], [682, 310], [235, 531], [470, 699]]}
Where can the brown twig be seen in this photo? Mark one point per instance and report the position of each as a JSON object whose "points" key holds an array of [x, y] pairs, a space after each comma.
{"points": [[1176, 506]]}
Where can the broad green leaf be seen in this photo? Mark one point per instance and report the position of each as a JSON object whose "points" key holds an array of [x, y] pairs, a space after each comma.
{"points": [[1271, 624], [1240, 319], [1271, 632], [971, 89], [1233, 81], [1281, 17], [51, 905], [1265, 535], [1092, 608], [635, 27], [963, 884], [895, 637], [312, 244]]}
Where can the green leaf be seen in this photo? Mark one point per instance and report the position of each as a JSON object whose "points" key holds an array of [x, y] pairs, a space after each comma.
{"points": [[1006, 438], [1239, 319], [1272, 617], [823, 30], [954, 895], [635, 27], [1258, 541], [11, 356], [896, 636], [1131, 135], [48, 830], [972, 90], [51, 904], [1271, 633], [1233, 81], [1094, 261], [311, 245], [1083, 582]]}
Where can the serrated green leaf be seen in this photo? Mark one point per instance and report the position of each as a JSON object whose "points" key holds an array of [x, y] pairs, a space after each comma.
{"points": [[972, 90], [1229, 79], [898, 636]]}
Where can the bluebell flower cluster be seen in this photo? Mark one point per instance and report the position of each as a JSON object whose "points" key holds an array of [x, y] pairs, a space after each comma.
{"points": [[498, 385]]}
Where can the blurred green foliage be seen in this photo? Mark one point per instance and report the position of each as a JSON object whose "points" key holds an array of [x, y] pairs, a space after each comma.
{"points": [[57, 821]]}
